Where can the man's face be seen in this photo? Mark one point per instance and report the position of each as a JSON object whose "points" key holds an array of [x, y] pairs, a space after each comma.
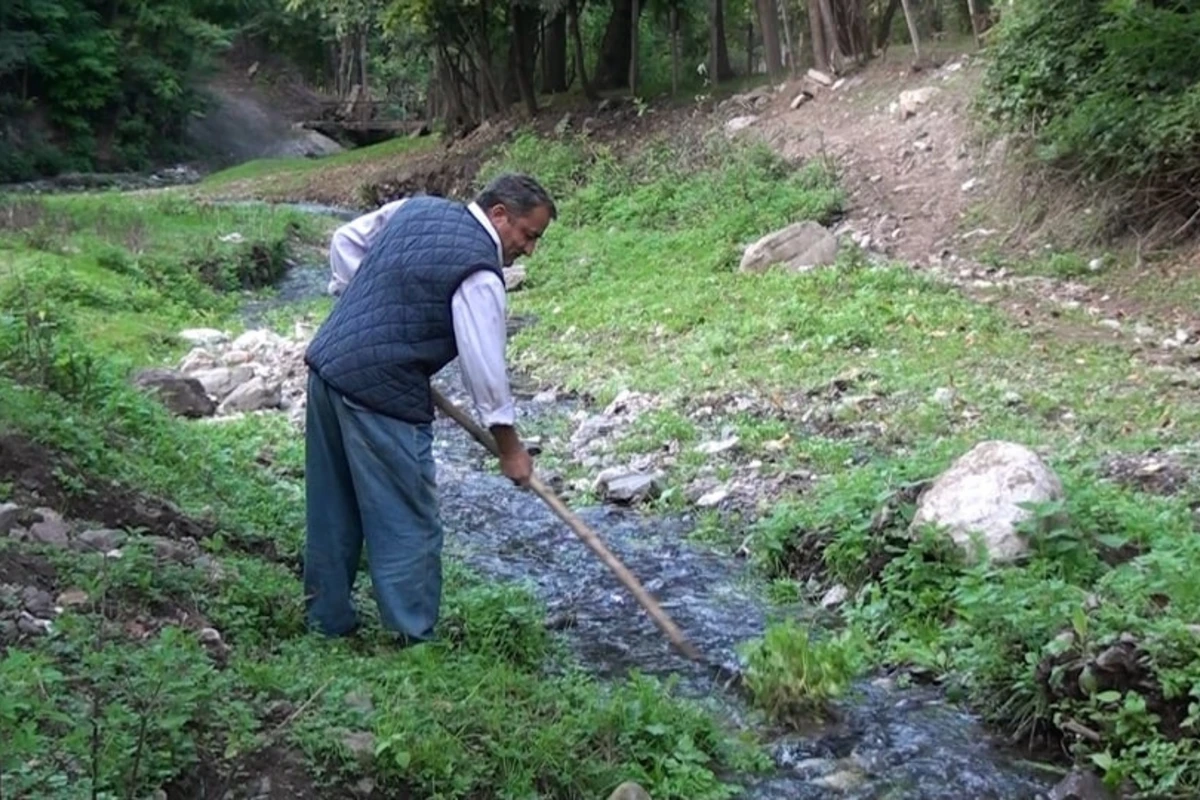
{"points": [[518, 235]]}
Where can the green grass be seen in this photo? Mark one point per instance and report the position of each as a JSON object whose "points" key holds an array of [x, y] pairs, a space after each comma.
{"points": [[97, 286], [636, 287], [132, 271], [285, 172]]}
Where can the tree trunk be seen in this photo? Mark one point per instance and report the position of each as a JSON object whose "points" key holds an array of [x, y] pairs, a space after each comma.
{"points": [[718, 54], [768, 23], [749, 47], [524, 31], [633, 47], [837, 55], [912, 30], [974, 21], [817, 28], [885, 24], [674, 23], [589, 91], [554, 55], [612, 69], [792, 56]]}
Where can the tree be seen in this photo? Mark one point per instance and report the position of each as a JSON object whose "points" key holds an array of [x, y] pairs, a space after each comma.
{"points": [[768, 23]]}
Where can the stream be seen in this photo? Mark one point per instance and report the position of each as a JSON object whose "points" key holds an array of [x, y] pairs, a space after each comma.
{"points": [[890, 742]]}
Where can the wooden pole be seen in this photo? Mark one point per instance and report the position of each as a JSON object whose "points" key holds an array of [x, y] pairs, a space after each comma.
{"points": [[580, 529]]}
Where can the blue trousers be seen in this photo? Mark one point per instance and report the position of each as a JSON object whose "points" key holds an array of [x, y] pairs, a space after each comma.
{"points": [[369, 479]]}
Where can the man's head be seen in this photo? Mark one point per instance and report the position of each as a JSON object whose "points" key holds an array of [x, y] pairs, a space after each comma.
{"points": [[520, 210]]}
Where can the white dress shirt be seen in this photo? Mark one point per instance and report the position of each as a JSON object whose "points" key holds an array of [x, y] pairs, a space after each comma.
{"points": [[478, 307]]}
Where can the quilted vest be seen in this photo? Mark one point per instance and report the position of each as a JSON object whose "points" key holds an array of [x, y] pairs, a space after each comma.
{"points": [[392, 327]]}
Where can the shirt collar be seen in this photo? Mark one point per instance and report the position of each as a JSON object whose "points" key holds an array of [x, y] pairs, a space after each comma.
{"points": [[487, 226]]}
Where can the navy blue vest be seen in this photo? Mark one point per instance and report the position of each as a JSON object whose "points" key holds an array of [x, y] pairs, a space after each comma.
{"points": [[392, 328]]}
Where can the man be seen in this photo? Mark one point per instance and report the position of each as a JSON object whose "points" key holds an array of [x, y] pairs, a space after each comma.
{"points": [[430, 288], [352, 241]]}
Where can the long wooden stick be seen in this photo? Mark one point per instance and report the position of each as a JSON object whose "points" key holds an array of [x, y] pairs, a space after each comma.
{"points": [[581, 530]]}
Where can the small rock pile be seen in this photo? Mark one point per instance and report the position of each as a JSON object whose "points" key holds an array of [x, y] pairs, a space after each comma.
{"points": [[258, 371]]}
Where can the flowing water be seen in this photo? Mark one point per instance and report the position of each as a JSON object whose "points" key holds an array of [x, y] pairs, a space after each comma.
{"points": [[889, 742]]}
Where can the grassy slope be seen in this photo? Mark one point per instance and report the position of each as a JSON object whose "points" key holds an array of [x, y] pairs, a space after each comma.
{"points": [[94, 287], [282, 179], [635, 289]]}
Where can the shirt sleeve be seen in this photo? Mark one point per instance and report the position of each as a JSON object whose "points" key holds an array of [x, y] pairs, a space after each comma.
{"points": [[479, 310]]}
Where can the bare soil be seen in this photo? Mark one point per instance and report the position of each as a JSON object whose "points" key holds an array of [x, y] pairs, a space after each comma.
{"points": [[33, 470]]}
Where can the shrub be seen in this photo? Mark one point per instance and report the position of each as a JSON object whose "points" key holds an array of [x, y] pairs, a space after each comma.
{"points": [[1110, 95]]}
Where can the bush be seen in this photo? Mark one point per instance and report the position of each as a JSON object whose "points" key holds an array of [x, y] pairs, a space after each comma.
{"points": [[1110, 95]]}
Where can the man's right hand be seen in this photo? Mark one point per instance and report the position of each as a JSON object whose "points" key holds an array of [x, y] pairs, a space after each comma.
{"points": [[515, 462], [517, 467]]}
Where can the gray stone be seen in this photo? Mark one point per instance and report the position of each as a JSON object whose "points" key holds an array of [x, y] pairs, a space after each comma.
{"points": [[255, 394], [798, 247], [629, 791], [31, 625], [360, 744], [203, 336], [102, 539], [980, 495], [52, 530], [620, 485], [183, 396], [10, 514], [1081, 785], [219, 382], [37, 602]]}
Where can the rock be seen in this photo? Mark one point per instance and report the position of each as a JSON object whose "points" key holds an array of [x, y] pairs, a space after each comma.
{"points": [[182, 395], [629, 791], [842, 781], [798, 247], [514, 276], [835, 596], [170, 550], [820, 77], [738, 124], [37, 602], [620, 485], [944, 396], [1081, 785], [253, 395], [259, 341], [912, 99], [713, 498], [563, 125], [197, 359], [52, 530], [10, 514], [102, 539], [219, 382], [71, 598], [719, 446], [980, 493], [360, 744], [203, 336], [31, 625], [801, 99]]}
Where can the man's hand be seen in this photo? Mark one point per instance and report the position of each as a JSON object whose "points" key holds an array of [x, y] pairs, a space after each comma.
{"points": [[515, 462], [517, 467]]}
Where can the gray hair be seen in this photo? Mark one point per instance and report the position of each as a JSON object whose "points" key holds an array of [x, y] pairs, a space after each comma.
{"points": [[520, 194]]}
